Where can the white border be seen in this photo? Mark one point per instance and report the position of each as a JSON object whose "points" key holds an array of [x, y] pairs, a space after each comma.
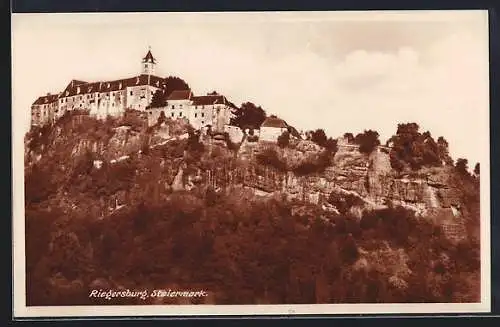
{"points": [[19, 301]]}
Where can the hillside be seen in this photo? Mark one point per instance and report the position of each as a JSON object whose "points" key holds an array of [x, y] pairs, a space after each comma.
{"points": [[117, 205]]}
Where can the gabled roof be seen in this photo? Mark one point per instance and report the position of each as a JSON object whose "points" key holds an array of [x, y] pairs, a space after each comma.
{"points": [[209, 99], [77, 82], [49, 98], [274, 122], [78, 87], [180, 95], [149, 57]]}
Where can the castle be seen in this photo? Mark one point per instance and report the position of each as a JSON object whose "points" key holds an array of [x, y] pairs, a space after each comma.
{"points": [[112, 98]]}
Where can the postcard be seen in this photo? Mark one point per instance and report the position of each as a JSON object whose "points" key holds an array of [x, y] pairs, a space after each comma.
{"points": [[250, 163]]}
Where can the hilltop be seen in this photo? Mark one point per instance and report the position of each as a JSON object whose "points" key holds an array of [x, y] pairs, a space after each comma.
{"points": [[117, 203]]}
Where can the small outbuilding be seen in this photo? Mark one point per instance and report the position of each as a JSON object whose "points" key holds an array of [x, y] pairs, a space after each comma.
{"points": [[272, 128]]}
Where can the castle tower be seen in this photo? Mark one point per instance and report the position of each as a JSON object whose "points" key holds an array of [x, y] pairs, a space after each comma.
{"points": [[148, 64]]}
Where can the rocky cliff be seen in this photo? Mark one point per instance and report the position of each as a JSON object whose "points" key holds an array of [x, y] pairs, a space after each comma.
{"points": [[434, 193], [116, 205]]}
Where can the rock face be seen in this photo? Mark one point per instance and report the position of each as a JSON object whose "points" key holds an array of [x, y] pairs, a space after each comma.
{"points": [[430, 192]]}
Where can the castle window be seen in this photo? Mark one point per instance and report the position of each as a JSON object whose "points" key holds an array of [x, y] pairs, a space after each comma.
{"points": [[195, 115], [202, 122], [202, 114], [180, 113], [173, 107], [180, 106], [172, 114], [130, 93]]}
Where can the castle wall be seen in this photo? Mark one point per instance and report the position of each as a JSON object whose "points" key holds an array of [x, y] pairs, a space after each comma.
{"points": [[200, 116], [216, 116], [139, 97]]}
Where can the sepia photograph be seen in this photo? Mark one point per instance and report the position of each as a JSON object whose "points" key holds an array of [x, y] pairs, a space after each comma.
{"points": [[240, 163]]}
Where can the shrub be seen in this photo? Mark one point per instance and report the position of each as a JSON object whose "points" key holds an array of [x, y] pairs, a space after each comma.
{"points": [[331, 145], [315, 165], [319, 137], [269, 157], [194, 144], [133, 119]]}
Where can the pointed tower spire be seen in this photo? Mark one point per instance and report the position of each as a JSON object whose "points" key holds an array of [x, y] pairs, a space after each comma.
{"points": [[148, 63]]}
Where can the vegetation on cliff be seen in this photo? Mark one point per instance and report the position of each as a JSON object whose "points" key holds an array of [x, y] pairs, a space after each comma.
{"points": [[246, 252], [82, 235]]}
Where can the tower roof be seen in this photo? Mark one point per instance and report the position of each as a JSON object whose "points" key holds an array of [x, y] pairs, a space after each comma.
{"points": [[149, 57]]}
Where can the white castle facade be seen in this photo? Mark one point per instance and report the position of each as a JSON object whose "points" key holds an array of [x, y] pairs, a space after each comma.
{"points": [[112, 98]]}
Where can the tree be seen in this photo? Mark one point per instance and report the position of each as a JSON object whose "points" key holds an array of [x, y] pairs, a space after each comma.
{"points": [[319, 137], [158, 99], [368, 141], [284, 139], [443, 151], [249, 116], [462, 166], [174, 83], [410, 147], [476, 169], [331, 145], [162, 118]]}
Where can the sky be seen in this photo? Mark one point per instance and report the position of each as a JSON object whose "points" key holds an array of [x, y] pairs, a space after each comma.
{"points": [[340, 71]]}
